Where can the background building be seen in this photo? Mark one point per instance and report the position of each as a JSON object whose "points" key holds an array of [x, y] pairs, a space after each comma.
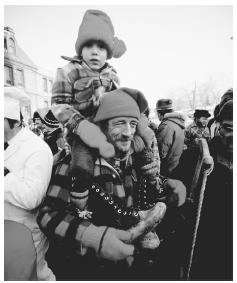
{"points": [[21, 71]]}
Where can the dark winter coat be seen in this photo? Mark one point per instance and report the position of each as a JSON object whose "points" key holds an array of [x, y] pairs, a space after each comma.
{"points": [[170, 139], [213, 257]]}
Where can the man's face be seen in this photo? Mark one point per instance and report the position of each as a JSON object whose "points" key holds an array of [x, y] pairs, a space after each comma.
{"points": [[94, 53], [226, 134], [38, 122], [160, 116], [202, 122], [120, 132]]}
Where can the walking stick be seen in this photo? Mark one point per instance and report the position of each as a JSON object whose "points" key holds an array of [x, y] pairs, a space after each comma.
{"points": [[203, 169]]}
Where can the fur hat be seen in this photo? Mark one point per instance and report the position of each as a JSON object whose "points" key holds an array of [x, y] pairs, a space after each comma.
{"points": [[164, 104], [201, 113], [121, 102], [96, 25]]}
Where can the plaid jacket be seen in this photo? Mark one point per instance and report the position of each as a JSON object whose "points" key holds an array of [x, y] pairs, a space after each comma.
{"points": [[75, 82], [57, 217]]}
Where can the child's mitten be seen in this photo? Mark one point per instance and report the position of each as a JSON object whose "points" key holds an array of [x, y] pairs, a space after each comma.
{"points": [[92, 136], [144, 131], [63, 112]]}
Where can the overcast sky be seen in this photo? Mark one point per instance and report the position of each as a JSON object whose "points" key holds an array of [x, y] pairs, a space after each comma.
{"points": [[168, 47]]}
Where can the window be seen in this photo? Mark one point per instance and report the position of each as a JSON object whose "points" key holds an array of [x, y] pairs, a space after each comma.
{"points": [[8, 75], [45, 88], [11, 46], [20, 78]]}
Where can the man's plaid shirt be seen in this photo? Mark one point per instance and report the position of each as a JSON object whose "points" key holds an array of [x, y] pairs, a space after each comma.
{"points": [[57, 217]]}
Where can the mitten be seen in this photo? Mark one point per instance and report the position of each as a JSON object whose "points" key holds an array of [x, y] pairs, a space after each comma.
{"points": [[138, 143], [108, 243], [147, 164], [63, 112], [150, 241], [149, 219], [92, 136], [175, 192], [145, 131]]}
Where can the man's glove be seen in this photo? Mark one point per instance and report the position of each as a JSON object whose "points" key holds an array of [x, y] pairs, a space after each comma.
{"points": [[175, 192], [109, 243]]}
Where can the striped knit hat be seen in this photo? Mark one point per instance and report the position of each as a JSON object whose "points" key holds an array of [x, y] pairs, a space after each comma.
{"points": [[96, 25], [47, 118]]}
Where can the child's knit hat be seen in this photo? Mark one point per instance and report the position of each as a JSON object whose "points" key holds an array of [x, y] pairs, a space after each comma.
{"points": [[96, 25]]}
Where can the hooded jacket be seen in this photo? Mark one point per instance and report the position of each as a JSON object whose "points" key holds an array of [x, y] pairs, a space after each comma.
{"points": [[170, 140]]}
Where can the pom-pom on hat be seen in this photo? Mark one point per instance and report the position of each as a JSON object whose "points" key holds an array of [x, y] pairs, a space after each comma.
{"points": [[14, 99], [201, 113], [121, 102], [97, 25], [164, 104]]}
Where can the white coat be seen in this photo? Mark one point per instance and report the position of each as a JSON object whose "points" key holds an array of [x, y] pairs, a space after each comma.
{"points": [[29, 160]]}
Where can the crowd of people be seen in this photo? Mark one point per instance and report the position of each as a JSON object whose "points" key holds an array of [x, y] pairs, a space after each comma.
{"points": [[101, 188]]}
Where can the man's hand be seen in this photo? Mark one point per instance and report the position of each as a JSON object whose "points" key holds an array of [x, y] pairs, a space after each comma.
{"points": [[109, 243], [176, 192]]}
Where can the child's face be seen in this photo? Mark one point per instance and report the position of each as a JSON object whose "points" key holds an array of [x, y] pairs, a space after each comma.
{"points": [[94, 53]]}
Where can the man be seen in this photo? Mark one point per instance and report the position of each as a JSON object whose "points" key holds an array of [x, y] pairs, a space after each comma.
{"points": [[170, 135], [213, 257], [198, 129], [92, 244], [27, 168]]}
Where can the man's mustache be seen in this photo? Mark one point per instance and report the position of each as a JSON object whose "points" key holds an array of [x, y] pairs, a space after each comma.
{"points": [[124, 139]]}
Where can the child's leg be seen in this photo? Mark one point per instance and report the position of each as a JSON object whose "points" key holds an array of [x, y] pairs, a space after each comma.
{"points": [[82, 170]]}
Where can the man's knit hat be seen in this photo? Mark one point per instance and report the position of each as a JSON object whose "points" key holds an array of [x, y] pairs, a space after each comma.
{"points": [[96, 25], [164, 104], [121, 102]]}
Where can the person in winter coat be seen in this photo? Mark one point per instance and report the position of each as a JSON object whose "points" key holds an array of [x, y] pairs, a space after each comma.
{"points": [[98, 242], [169, 135], [213, 256], [27, 169], [198, 129]]}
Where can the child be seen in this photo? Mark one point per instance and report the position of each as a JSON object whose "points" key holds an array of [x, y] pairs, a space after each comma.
{"points": [[76, 94]]}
